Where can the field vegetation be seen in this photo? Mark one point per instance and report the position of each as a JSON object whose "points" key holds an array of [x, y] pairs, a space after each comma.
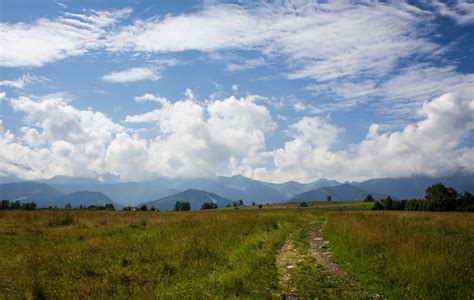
{"points": [[227, 253]]}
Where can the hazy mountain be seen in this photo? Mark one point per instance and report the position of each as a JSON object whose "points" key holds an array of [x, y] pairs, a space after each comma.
{"points": [[195, 197], [292, 188], [343, 192], [9, 179], [127, 193], [40, 193], [238, 187], [70, 180], [86, 199], [133, 193], [415, 186]]}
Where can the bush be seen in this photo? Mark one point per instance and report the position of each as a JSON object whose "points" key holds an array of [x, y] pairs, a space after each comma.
{"points": [[303, 204], [182, 206], [209, 205]]}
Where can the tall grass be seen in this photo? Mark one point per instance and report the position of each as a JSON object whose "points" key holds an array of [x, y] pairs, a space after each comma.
{"points": [[102, 254], [407, 254]]}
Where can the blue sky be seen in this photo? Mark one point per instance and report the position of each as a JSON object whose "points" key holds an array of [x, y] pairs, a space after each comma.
{"points": [[294, 90]]}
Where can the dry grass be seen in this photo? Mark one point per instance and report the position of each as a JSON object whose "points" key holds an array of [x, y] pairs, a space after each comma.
{"points": [[407, 254]]}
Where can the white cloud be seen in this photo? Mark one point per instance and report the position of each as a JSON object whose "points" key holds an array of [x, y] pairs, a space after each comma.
{"points": [[322, 41], [150, 97], [460, 11], [61, 140], [2, 95], [228, 136], [132, 74], [235, 88], [299, 106], [49, 40], [431, 146], [21, 82]]}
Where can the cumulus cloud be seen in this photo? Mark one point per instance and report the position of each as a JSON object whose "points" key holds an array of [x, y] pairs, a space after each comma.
{"points": [[194, 139], [2, 95], [60, 140], [432, 145], [49, 40], [132, 74], [228, 136]]}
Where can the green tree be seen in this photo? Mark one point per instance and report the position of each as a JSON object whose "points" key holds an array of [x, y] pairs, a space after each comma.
{"points": [[182, 206], [329, 198], [303, 204], [378, 205], [388, 203], [208, 205], [369, 198], [440, 198]]}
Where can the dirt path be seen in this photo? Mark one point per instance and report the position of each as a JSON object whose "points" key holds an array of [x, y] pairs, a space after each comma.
{"points": [[320, 251], [286, 259], [328, 281]]}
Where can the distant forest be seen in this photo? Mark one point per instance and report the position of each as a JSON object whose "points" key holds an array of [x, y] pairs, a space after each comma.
{"points": [[438, 198]]}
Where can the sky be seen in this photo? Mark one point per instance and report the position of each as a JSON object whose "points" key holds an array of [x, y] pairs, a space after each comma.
{"points": [[275, 91]]}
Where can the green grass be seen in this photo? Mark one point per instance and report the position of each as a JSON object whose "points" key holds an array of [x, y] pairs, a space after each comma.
{"points": [[407, 254], [136, 254], [231, 253]]}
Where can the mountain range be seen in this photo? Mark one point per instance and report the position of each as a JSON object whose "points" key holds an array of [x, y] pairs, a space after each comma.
{"points": [[45, 195], [195, 197], [52, 191]]}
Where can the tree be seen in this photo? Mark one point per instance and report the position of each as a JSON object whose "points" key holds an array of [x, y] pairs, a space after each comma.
{"points": [[378, 205], [143, 208], [208, 205], [440, 198], [68, 206], [388, 203], [182, 206], [303, 204], [466, 203], [369, 198], [329, 198], [241, 202]]}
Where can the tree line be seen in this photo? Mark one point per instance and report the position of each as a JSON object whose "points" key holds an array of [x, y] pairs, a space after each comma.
{"points": [[438, 198]]}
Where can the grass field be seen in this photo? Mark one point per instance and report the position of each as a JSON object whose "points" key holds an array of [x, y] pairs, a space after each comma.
{"points": [[232, 253]]}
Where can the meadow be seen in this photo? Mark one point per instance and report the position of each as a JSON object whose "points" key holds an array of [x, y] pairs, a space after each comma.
{"points": [[234, 253]]}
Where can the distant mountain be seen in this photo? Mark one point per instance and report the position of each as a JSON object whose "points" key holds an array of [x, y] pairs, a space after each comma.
{"points": [[415, 186], [343, 192], [292, 188], [70, 180], [127, 193], [86, 199], [133, 193], [40, 193], [9, 179], [195, 197], [240, 187]]}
